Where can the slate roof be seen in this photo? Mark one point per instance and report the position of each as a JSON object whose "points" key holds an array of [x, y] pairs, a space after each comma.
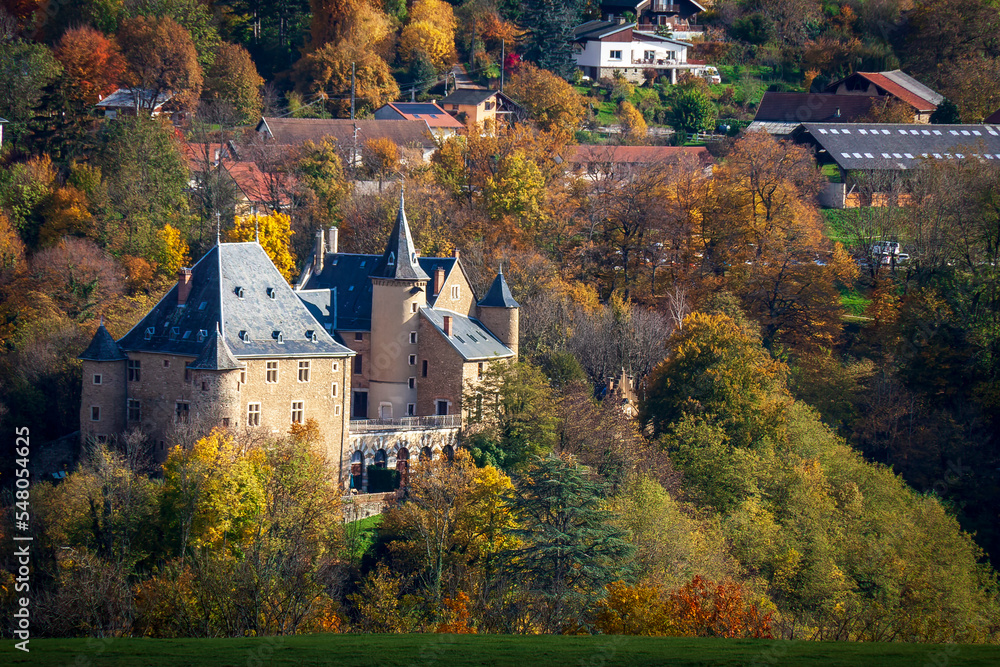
{"points": [[908, 82], [238, 285], [588, 153], [813, 107], [4, 120], [468, 336], [473, 96], [103, 347], [430, 112], [777, 128], [900, 146], [216, 356], [994, 118], [597, 30], [341, 296], [125, 98], [899, 85], [499, 295], [294, 131], [399, 261]]}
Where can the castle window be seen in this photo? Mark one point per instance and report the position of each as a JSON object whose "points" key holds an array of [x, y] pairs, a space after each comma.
{"points": [[202, 335], [95, 413], [442, 406], [134, 410], [336, 366], [413, 338], [423, 371], [188, 376], [392, 259], [455, 292], [187, 334], [278, 336], [149, 332], [97, 378], [271, 293], [202, 305], [101, 437], [303, 371], [243, 376], [411, 383], [204, 386], [239, 292], [174, 332], [334, 388], [359, 336], [411, 409], [297, 410], [183, 412], [245, 336], [412, 359], [225, 422], [336, 410], [479, 371], [133, 370], [166, 363], [253, 414], [358, 364], [271, 374], [413, 307]]}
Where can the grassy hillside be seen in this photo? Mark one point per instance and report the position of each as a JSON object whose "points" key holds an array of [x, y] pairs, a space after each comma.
{"points": [[516, 651]]}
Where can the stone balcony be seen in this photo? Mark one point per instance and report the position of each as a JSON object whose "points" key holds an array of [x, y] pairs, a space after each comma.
{"points": [[405, 424]]}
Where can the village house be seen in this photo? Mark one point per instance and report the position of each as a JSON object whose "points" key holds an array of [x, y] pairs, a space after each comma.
{"points": [[479, 106], [414, 138], [781, 113], [128, 101], [378, 349], [678, 17], [602, 48], [441, 123], [894, 84], [599, 162]]}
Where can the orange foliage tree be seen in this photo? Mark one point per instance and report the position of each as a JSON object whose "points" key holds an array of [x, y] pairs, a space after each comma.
{"points": [[703, 608], [92, 64], [162, 60]]}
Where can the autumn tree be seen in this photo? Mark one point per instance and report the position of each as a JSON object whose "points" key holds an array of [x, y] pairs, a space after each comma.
{"points": [[162, 62], [551, 102], [233, 79], [274, 232], [327, 71], [427, 39], [633, 124], [92, 64], [691, 110], [363, 23], [889, 110], [320, 168], [380, 157]]}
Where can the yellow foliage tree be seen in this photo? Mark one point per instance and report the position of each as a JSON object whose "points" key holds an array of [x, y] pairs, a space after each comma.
{"points": [[431, 40], [174, 251], [274, 232], [551, 101], [327, 71], [436, 12], [65, 213], [633, 124]]}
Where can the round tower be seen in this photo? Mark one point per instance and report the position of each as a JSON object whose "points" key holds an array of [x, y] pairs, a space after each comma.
{"points": [[399, 290], [499, 312], [216, 399], [104, 396]]}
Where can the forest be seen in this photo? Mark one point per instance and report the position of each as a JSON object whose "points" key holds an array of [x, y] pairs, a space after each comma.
{"points": [[815, 453]]}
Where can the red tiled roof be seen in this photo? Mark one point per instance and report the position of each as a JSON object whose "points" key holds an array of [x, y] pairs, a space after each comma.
{"points": [[896, 90], [254, 183], [197, 154], [428, 111], [587, 154]]}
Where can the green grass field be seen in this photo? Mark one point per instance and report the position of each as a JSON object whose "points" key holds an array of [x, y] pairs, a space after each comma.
{"points": [[503, 651]]}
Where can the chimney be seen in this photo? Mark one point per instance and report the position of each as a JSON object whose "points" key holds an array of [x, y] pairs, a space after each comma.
{"points": [[319, 254], [333, 231], [183, 286], [454, 253], [447, 325], [438, 279]]}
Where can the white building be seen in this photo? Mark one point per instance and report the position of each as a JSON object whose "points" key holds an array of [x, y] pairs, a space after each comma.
{"points": [[603, 47]]}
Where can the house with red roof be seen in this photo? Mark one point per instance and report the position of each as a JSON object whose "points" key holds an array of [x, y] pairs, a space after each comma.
{"points": [[894, 84], [441, 123], [601, 162]]}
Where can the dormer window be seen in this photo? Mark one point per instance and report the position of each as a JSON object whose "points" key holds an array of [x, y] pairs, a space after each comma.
{"points": [[311, 335], [239, 292], [149, 332], [271, 293], [276, 335], [392, 259], [175, 332], [245, 336], [202, 334]]}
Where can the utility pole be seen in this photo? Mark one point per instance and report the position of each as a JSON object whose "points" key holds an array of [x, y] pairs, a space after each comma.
{"points": [[352, 91], [413, 94], [503, 59]]}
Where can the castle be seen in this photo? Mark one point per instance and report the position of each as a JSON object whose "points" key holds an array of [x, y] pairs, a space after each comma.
{"points": [[377, 349]]}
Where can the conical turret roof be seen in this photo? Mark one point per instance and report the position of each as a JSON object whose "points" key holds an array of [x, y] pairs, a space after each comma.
{"points": [[399, 261], [499, 295], [103, 347], [216, 356]]}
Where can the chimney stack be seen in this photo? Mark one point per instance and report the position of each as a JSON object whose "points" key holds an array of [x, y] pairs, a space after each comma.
{"points": [[447, 325], [183, 286], [319, 254], [454, 253], [438, 279], [333, 232]]}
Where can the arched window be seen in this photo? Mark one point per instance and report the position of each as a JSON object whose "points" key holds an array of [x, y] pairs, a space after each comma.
{"points": [[425, 454], [403, 465], [449, 452], [357, 479], [381, 459]]}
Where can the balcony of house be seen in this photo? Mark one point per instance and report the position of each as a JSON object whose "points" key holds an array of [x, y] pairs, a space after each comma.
{"points": [[678, 27], [405, 423]]}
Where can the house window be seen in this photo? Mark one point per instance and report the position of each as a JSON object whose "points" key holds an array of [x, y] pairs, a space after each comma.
{"points": [[412, 383], [97, 378], [95, 413], [297, 410], [442, 407], [271, 372], [423, 370], [358, 336], [183, 412], [411, 409], [413, 338], [134, 366], [454, 292], [615, 55], [303, 371], [253, 414], [358, 364], [187, 375], [649, 55], [412, 359], [134, 410], [334, 390], [479, 371]]}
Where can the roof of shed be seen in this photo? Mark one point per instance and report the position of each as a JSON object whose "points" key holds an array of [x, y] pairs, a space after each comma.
{"points": [[813, 107]]}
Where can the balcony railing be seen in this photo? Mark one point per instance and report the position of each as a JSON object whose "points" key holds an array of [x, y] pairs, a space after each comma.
{"points": [[652, 27], [405, 423]]}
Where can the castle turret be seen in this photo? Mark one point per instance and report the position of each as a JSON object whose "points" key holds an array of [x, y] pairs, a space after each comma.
{"points": [[498, 311], [103, 400], [216, 376], [398, 292]]}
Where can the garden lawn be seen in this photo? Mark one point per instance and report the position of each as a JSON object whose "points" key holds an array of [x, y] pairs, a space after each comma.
{"points": [[500, 650]]}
